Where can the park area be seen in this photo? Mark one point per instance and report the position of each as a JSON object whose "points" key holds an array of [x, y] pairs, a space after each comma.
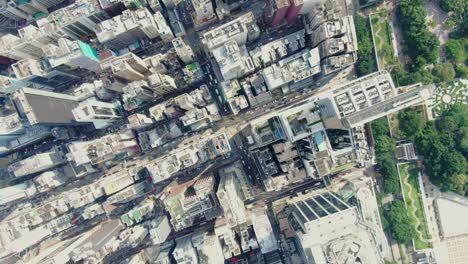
{"points": [[413, 200], [448, 94], [383, 38]]}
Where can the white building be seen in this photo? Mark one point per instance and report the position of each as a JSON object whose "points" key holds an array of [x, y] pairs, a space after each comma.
{"points": [[13, 47], [37, 163], [289, 72], [102, 149], [204, 12], [264, 231], [73, 53], [199, 149], [96, 111], [40, 73], [184, 252], [128, 66], [329, 230], [161, 83], [227, 239], [233, 60], [165, 32], [79, 19], [208, 247], [183, 50], [160, 229], [230, 198], [241, 30], [367, 98], [137, 121], [127, 28]]}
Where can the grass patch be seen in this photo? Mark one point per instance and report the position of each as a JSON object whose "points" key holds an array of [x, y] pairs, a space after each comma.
{"points": [[383, 37], [416, 210]]}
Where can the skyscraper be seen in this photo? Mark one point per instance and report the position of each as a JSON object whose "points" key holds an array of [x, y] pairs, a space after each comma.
{"points": [[45, 108]]}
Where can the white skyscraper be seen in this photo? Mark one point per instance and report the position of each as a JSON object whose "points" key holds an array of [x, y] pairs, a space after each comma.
{"points": [[183, 50], [94, 111], [230, 198]]}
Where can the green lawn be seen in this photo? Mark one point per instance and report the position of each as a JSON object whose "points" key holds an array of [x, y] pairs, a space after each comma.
{"points": [[417, 208], [382, 33]]}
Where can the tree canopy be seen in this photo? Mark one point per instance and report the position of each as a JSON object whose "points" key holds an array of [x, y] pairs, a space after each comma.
{"points": [[401, 225], [384, 149], [444, 146], [366, 61], [411, 123], [443, 72], [456, 6], [455, 50], [422, 45]]}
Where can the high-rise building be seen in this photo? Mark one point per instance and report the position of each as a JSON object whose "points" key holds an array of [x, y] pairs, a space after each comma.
{"points": [[294, 10], [230, 198], [160, 229], [165, 32], [327, 228], [204, 12], [103, 149], [129, 67], [162, 84], [37, 163], [278, 11], [241, 30], [183, 50], [264, 231], [80, 18], [46, 33], [233, 60], [184, 252], [191, 201], [16, 48], [40, 73], [74, 54], [31, 7], [42, 107], [136, 94], [227, 238], [8, 9], [96, 111], [208, 247], [127, 28], [144, 91], [30, 42]]}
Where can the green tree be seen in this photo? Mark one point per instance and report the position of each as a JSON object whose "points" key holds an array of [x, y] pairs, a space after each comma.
{"points": [[380, 127], [420, 42], [453, 163], [461, 71], [443, 72], [411, 123], [366, 60], [384, 145], [463, 140], [389, 173], [444, 147], [402, 77], [456, 6], [455, 50], [459, 184], [401, 225]]}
